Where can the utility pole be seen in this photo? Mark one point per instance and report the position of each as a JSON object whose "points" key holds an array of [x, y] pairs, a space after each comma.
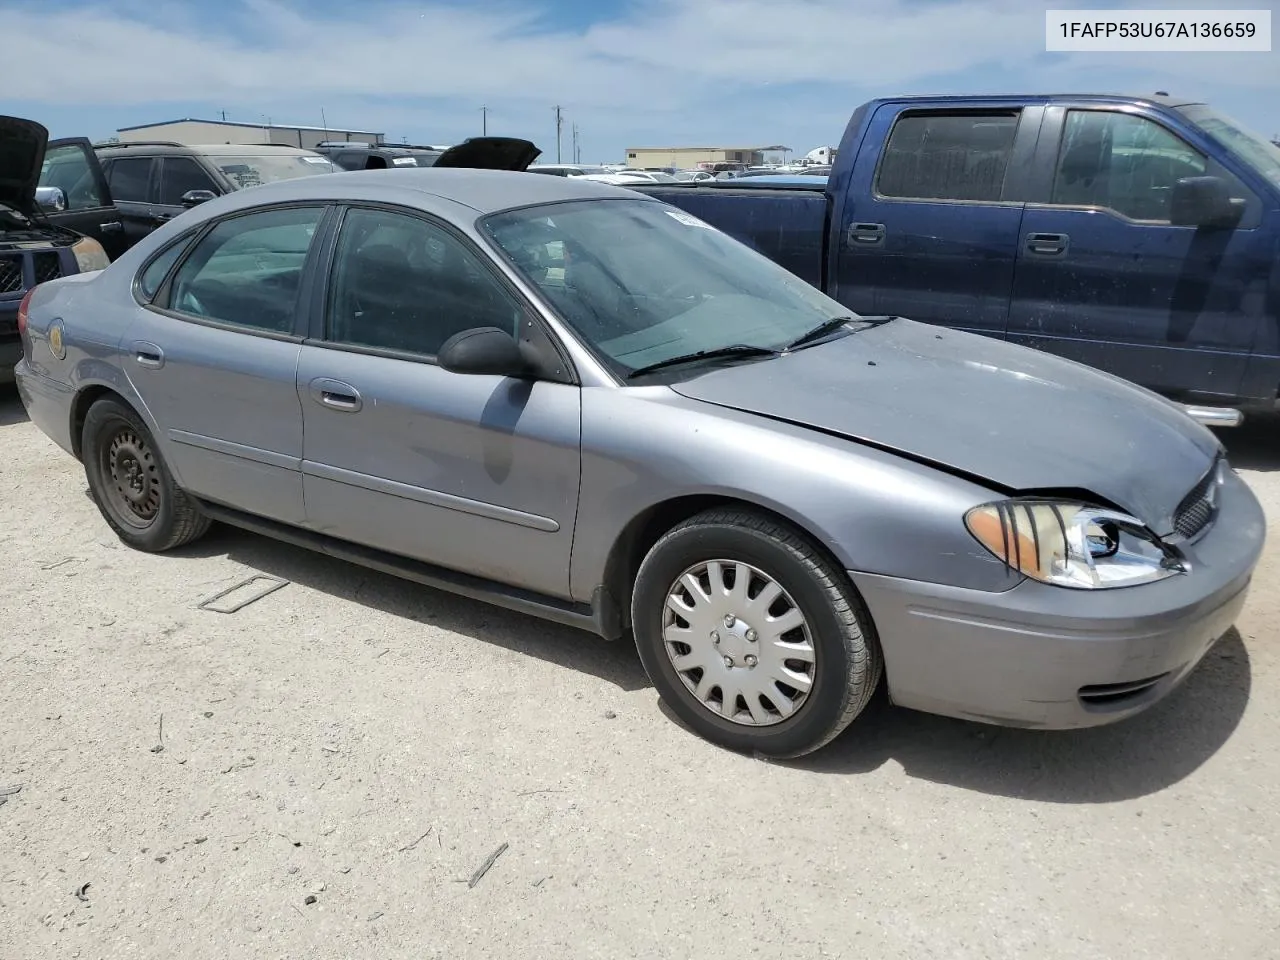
{"points": [[577, 155], [559, 128], [484, 121]]}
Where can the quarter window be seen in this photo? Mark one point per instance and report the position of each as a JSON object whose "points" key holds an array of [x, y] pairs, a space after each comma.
{"points": [[948, 156], [1122, 162], [404, 284], [155, 272], [128, 179], [247, 269]]}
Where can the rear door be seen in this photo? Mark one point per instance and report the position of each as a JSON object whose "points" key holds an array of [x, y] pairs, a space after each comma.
{"points": [[129, 179], [1104, 278], [72, 166], [929, 228]]}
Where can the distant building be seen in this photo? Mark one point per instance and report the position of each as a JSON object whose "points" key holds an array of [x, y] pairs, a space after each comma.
{"points": [[189, 131], [686, 158]]}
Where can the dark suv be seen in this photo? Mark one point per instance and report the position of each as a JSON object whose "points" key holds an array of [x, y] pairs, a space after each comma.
{"points": [[154, 181]]}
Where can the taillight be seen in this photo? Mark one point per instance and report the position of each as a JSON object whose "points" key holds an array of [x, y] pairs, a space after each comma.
{"points": [[22, 312]]}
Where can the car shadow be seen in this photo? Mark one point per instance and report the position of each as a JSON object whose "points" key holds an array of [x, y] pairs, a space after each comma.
{"points": [[1129, 759], [616, 663], [1255, 444], [11, 408]]}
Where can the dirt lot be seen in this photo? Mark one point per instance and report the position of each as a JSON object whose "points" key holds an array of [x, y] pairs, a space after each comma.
{"points": [[369, 743]]}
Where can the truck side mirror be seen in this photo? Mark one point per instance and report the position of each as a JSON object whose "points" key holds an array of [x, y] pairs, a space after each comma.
{"points": [[193, 198], [51, 199], [1203, 202]]}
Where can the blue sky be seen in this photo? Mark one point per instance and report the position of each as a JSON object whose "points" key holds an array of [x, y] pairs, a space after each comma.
{"points": [[627, 72]]}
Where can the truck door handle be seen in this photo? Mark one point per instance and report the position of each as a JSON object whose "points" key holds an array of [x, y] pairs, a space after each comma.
{"points": [[866, 233], [336, 395], [148, 355], [113, 226], [1047, 244]]}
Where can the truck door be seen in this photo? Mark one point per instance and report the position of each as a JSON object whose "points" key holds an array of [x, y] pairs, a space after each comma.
{"points": [[929, 226], [71, 166], [1103, 276]]}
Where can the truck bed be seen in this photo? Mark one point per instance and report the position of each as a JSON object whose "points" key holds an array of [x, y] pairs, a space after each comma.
{"points": [[785, 222]]}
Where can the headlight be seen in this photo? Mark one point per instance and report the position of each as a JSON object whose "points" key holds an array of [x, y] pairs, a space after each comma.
{"points": [[90, 255], [1072, 544]]}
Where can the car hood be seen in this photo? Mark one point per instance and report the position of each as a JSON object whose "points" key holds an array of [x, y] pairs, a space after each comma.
{"points": [[490, 153], [1009, 416], [22, 146]]}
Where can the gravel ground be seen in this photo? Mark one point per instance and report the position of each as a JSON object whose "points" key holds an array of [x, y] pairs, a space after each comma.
{"points": [[369, 743]]}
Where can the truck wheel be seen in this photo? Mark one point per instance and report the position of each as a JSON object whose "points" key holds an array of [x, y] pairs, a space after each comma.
{"points": [[752, 636], [130, 483]]}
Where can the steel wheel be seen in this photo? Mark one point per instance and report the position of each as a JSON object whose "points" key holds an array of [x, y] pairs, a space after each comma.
{"points": [[134, 488], [739, 643]]}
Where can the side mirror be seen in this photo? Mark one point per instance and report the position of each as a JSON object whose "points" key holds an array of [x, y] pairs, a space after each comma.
{"points": [[51, 199], [485, 351], [1203, 202], [193, 198]]}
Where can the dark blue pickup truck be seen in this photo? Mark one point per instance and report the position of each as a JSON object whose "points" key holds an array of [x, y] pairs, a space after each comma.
{"points": [[1139, 235]]}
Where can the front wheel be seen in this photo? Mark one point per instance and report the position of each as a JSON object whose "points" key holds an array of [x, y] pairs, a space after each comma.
{"points": [[752, 636], [130, 483]]}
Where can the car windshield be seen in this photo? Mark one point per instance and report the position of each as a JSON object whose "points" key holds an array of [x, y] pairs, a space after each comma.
{"points": [[252, 170], [1259, 153], [642, 282]]}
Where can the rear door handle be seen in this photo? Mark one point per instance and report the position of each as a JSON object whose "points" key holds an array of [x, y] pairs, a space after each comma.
{"points": [[336, 395], [148, 354], [1048, 244], [866, 234]]}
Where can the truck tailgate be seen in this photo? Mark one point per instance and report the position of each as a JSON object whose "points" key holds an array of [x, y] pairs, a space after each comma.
{"points": [[788, 226]]}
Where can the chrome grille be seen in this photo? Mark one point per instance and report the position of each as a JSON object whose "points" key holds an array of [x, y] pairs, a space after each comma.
{"points": [[1196, 509], [48, 266], [10, 274]]}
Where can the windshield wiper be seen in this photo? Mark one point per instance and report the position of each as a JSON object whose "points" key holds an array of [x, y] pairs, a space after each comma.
{"points": [[830, 326], [742, 350]]}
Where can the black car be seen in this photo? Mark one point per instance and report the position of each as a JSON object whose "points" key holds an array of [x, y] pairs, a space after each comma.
{"points": [[366, 156]]}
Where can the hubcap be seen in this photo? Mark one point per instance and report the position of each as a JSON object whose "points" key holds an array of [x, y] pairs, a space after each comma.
{"points": [[133, 477], [739, 643]]}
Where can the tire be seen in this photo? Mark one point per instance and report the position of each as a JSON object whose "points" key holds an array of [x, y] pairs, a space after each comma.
{"points": [[162, 516], [846, 665]]}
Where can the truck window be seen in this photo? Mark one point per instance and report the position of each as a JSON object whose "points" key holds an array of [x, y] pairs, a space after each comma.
{"points": [[1123, 162], [933, 156], [178, 175], [128, 178]]}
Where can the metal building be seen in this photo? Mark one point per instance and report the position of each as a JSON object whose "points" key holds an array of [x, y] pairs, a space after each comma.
{"points": [[192, 130]]}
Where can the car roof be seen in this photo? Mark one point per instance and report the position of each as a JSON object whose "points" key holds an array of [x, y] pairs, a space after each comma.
{"points": [[485, 191]]}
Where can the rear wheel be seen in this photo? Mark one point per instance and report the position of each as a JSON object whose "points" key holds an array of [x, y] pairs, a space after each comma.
{"points": [[752, 636], [130, 483]]}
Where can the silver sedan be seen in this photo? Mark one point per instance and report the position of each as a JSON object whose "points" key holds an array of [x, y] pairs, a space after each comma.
{"points": [[579, 402]]}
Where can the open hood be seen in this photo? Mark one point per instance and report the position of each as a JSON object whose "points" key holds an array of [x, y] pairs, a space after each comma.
{"points": [[22, 146], [490, 153], [1011, 416]]}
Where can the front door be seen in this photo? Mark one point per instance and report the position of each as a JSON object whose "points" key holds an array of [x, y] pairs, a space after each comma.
{"points": [[929, 226], [178, 177], [215, 360], [1105, 279], [474, 473], [72, 167]]}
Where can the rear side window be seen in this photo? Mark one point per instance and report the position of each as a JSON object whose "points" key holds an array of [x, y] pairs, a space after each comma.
{"points": [[128, 178], [948, 156], [154, 273], [1123, 162], [247, 270], [180, 175]]}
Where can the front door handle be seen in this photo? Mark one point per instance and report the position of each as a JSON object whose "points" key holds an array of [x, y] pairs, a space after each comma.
{"points": [[148, 354], [113, 226], [336, 395], [1047, 244], [866, 234]]}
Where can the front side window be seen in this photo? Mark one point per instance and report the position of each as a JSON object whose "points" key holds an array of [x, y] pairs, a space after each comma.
{"points": [[68, 168], [179, 176], [1122, 162], [129, 178], [247, 270], [948, 156], [642, 282], [1258, 152], [404, 284]]}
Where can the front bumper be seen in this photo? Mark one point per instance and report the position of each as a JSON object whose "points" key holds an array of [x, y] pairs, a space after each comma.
{"points": [[1051, 657]]}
